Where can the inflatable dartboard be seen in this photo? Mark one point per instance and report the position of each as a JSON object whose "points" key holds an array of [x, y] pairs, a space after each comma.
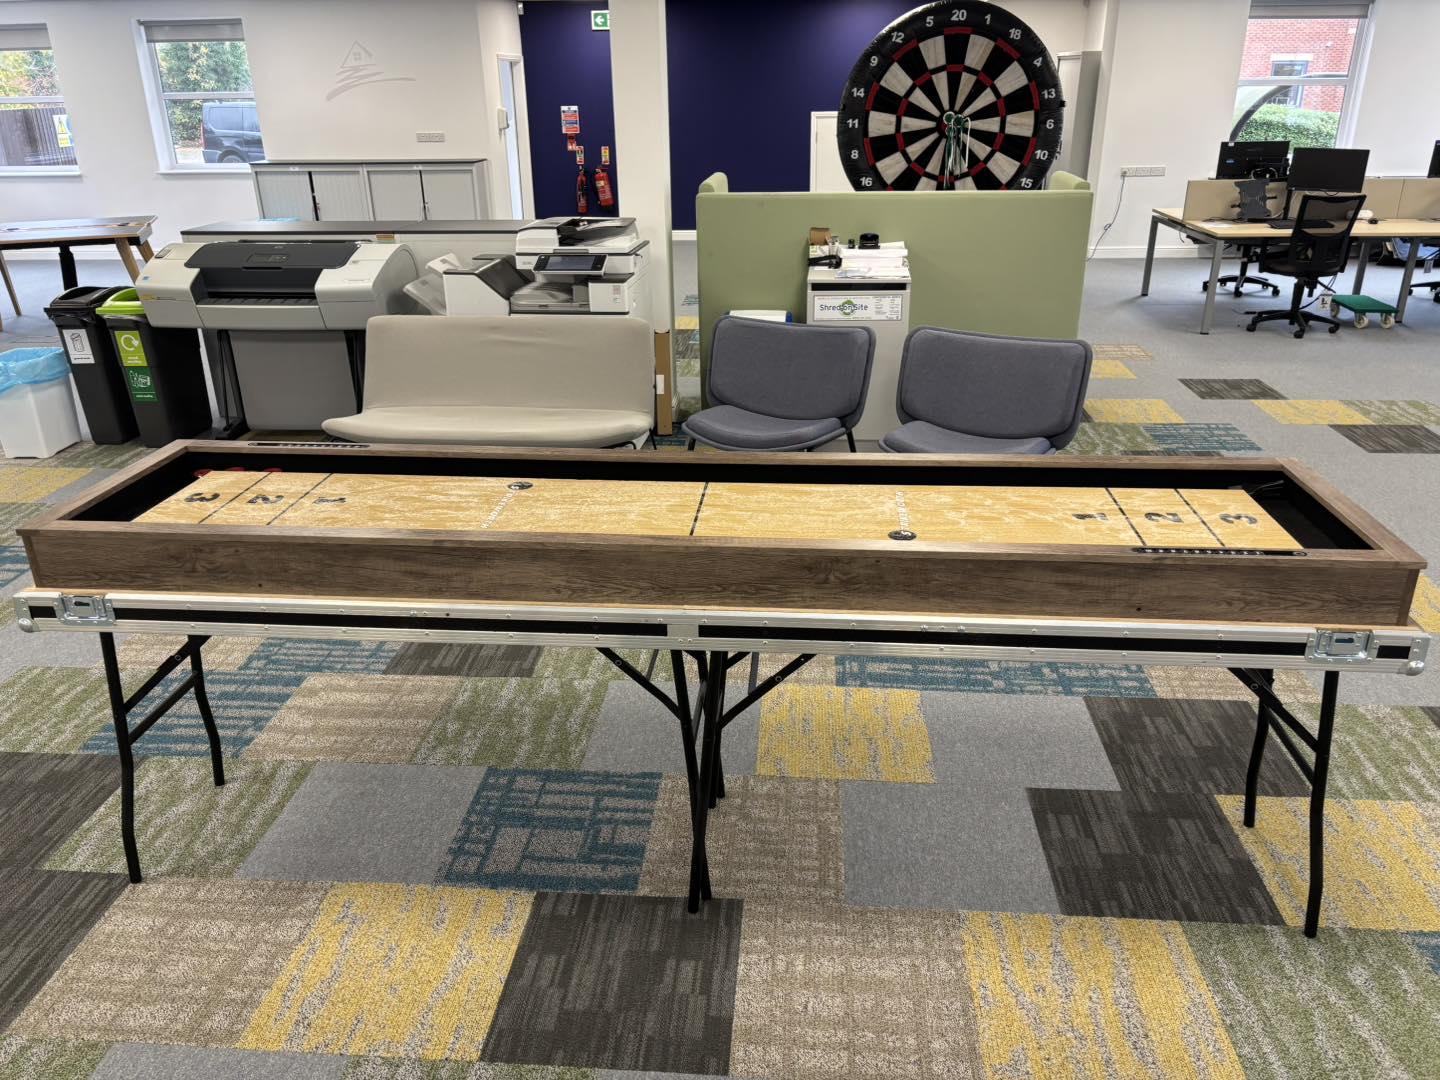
{"points": [[954, 95]]}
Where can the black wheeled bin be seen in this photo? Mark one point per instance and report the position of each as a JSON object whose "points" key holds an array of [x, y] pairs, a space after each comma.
{"points": [[162, 371], [91, 352]]}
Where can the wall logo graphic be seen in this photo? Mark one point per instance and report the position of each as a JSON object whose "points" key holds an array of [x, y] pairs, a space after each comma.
{"points": [[359, 69]]}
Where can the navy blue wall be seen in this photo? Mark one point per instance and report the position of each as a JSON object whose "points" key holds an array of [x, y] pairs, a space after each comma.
{"points": [[566, 63], [745, 76]]}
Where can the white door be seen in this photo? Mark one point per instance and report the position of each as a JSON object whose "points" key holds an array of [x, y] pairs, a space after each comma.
{"points": [[512, 120], [395, 193], [826, 172], [450, 193], [340, 193], [285, 193]]}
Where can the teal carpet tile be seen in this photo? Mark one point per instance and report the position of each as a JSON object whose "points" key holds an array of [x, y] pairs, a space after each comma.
{"points": [[992, 676]]}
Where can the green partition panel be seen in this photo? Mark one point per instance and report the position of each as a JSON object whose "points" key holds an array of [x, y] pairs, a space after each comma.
{"points": [[999, 262]]}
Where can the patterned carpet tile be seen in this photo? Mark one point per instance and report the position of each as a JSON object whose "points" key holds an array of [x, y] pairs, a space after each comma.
{"points": [[85, 455], [1433, 711], [176, 962], [843, 733], [1425, 609], [12, 563], [1058, 997], [1232, 389], [1429, 946], [22, 484], [1202, 438], [770, 838], [471, 661], [1148, 855], [851, 992], [143, 653], [545, 829], [621, 982], [993, 676], [45, 797], [531, 723], [242, 702], [1382, 860], [55, 710], [1382, 752], [43, 916], [48, 1059], [1122, 352], [1106, 368], [353, 717], [1105, 439], [379, 1068], [306, 656], [1193, 746], [185, 826], [1398, 412], [1390, 438], [139, 1061], [16, 513], [1131, 411], [1351, 1003], [394, 970], [1312, 412], [1216, 684]]}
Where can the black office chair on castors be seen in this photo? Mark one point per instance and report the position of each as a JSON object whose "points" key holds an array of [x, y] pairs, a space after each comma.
{"points": [[1319, 248], [1253, 206]]}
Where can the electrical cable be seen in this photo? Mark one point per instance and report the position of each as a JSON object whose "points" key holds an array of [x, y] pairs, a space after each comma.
{"points": [[1113, 217]]}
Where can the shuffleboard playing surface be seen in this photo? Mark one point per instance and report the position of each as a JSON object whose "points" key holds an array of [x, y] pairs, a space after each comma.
{"points": [[1148, 517]]}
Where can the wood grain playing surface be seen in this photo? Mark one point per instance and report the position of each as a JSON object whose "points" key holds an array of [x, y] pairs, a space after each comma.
{"points": [[1150, 517]]}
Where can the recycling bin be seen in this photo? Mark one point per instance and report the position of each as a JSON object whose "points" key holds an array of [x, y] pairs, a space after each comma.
{"points": [[91, 353], [162, 369]]}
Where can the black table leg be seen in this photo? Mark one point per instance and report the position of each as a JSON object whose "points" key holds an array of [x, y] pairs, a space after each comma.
{"points": [[713, 691], [1257, 751], [67, 272], [1323, 737]]}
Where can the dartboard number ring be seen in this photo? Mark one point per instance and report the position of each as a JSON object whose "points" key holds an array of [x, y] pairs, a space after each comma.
{"points": [[953, 95]]}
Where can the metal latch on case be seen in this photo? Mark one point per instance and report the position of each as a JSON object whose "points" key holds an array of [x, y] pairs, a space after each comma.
{"points": [[85, 611], [1343, 645]]}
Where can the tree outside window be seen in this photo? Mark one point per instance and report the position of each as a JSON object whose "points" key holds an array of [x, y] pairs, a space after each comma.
{"points": [[35, 128], [207, 100]]}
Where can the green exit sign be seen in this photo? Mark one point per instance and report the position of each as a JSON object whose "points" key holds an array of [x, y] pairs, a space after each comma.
{"points": [[599, 20]]}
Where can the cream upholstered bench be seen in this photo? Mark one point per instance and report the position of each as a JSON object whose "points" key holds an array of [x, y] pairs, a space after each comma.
{"points": [[518, 380]]}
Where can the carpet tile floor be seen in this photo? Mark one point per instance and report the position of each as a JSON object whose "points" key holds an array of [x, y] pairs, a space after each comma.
{"points": [[438, 862]]}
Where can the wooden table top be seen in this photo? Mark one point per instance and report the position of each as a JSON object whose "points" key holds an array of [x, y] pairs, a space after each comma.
{"points": [[1149, 517], [1386, 229], [71, 230]]}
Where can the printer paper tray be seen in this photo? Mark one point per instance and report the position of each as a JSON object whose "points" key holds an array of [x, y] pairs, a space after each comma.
{"points": [[260, 315]]}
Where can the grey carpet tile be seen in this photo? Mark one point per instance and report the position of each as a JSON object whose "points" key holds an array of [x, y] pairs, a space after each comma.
{"points": [[1148, 855], [46, 797], [1232, 389], [621, 982], [635, 733], [141, 1061], [1391, 438], [1433, 711], [351, 821], [44, 914], [48, 1059], [1157, 744], [473, 661]]}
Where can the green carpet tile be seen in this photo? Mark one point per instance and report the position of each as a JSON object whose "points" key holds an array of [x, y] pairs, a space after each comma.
{"points": [[455, 862]]}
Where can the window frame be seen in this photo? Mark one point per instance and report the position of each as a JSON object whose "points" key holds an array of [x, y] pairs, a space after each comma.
{"points": [[1351, 81], [157, 96], [42, 33]]}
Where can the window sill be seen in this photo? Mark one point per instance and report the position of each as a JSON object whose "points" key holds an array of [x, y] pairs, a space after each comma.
{"points": [[39, 170], [203, 170]]}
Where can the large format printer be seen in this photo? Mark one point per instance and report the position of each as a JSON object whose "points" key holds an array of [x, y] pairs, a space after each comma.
{"points": [[291, 319]]}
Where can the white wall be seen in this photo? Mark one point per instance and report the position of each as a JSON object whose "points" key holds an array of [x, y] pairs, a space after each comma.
{"points": [[1395, 112], [296, 50], [500, 35], [1060, 24]]}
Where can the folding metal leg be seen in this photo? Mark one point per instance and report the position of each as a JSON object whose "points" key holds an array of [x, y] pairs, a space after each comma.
{"points": [[713, 690], [1257, 751], [1323, 737]]}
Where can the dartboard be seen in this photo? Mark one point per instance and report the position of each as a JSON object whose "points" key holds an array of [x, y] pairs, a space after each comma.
{"points": [[954, 95]]}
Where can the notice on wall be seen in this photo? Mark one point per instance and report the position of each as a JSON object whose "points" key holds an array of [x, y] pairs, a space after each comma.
{"points": [[62, 130], [599, 20], [570, 119], [837, 307]]}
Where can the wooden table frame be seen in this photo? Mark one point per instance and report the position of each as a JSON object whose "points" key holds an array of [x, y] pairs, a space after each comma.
{"points": [[122, 232], [1220, 233]]}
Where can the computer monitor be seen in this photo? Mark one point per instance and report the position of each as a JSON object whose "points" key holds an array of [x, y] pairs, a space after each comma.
{"points": [[1259, 160], [1317, 168], [1434, 173]]}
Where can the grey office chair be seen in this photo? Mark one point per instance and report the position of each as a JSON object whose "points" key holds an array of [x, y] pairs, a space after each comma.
{"points": [[1319, 248], [965, 393], [783, 386]]}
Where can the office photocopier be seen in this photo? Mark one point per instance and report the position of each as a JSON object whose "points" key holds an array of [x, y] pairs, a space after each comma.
{"points": [[290, 316]]}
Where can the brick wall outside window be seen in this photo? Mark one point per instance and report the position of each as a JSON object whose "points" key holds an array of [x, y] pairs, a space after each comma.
{"points": [[1328, 43]]}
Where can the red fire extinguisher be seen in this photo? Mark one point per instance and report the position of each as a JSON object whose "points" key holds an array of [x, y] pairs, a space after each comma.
{"points": [[604, 193], [582, 193]]}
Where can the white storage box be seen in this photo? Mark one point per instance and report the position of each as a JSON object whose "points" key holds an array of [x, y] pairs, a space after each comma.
{"points": [[37, 419]]}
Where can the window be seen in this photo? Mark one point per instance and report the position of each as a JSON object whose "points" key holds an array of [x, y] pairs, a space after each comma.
{"points": [[1295, 75], [205, 115], [34, 127]]}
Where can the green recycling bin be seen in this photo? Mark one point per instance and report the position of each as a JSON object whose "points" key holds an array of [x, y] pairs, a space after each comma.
{"points": [[162, 369]]}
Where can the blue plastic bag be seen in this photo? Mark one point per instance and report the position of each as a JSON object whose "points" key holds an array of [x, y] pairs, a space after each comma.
{"points": [[31, 367]]}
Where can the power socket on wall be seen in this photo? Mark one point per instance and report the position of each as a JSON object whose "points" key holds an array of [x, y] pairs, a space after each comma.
{"points": [[1142, 170], [429, 136]]}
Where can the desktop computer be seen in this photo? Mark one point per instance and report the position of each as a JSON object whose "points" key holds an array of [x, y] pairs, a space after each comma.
{"points": [[1257, 160], [1322, 169]]}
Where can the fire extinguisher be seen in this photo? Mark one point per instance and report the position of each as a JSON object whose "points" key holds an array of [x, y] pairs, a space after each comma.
{"points": [[582, 193], [604, 193]]}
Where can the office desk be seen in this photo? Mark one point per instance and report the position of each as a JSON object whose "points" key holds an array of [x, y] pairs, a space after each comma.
{"points": [[1220, 233], [82, 232]]}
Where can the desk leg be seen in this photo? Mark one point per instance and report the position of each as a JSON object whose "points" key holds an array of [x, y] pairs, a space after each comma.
{"points": [[1208, 318], [67, 267], [1359, 282], [128, 258], [1409, 276], [1323, 735], [1150, 255], [712, 713], [146, 251]]}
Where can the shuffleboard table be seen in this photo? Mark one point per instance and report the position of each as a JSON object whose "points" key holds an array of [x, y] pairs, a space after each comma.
{"points": [[1251, 565]]}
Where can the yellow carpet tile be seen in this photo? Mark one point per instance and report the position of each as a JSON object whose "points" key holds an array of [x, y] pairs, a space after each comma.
{"points": [[687, 322], [1132, 411], [395, 971], [841, 733], [1313, 412], [1095, 998], [1382, 860], [1425, 609], [1104, 368], [22, 483]]}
